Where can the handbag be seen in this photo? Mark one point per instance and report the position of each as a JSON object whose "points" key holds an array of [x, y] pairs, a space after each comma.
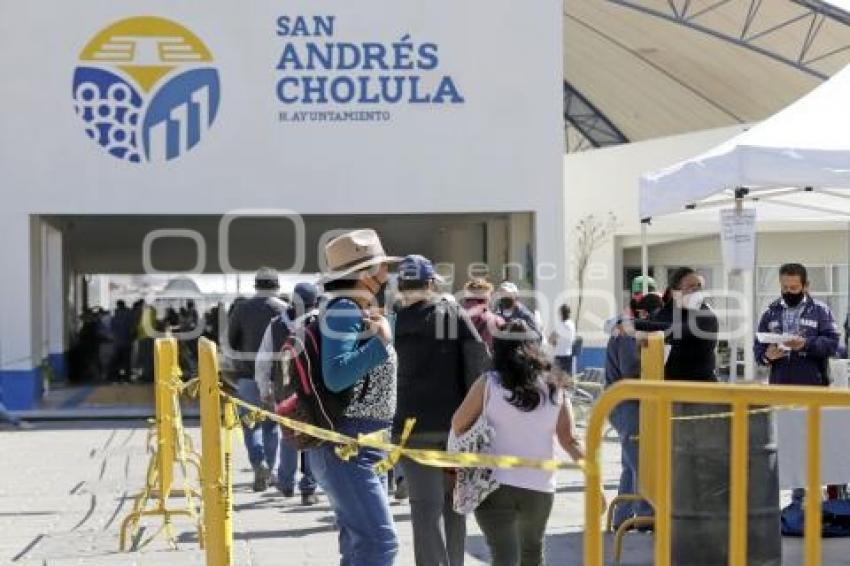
{"points": [[473, 485]]}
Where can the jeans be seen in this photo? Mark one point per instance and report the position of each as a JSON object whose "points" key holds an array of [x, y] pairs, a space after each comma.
{"points": [[625, 418], [367, 535], [263, 439], [289, 458], [120, 367], [439, 534], [513, 521], [565, 363]]}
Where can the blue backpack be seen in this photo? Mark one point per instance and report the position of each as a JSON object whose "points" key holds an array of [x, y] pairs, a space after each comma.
{"points": [[836, 519]]}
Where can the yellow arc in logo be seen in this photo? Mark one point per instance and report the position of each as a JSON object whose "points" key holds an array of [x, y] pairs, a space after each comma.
{"points": [[146, 48]]}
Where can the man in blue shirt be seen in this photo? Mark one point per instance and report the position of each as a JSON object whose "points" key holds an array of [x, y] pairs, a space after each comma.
{"points": [[803, 359]]}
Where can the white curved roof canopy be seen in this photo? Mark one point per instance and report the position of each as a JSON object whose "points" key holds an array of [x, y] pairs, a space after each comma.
{"points": [[654, 68]]}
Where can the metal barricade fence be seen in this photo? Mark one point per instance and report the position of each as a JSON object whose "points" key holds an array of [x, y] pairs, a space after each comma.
{"points": [[660, 395]]}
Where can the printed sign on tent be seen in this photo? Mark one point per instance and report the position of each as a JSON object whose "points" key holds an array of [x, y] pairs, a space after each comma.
{"points": [[738, 238]]}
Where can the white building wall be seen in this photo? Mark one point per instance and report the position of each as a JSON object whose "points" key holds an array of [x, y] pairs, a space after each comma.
{"points": [[499, 152]]}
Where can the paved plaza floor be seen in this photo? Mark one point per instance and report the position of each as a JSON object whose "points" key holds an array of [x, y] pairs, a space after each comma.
{"points": [[66, 486]]}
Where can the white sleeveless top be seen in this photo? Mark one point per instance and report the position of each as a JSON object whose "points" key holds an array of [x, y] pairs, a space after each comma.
{"points": [[529, 434]]}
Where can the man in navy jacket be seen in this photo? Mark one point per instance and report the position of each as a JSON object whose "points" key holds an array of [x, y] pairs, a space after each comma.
{"points": [[804, 359]]}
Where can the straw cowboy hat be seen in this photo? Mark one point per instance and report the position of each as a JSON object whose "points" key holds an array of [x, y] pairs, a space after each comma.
{"points": [[352, 252]]}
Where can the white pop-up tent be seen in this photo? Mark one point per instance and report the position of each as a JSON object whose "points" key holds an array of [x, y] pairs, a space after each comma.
{"points": [[795, 166], [797, 159]]}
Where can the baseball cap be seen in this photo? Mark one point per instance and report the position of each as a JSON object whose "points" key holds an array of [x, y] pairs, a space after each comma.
{"points": [[637, 284], [307, 293], [415, 267], [266, 278], [508, 287]]}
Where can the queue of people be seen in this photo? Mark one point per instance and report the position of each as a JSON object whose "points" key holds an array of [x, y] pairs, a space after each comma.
{"points": [[118, 346], [412, 354], [386, 357]]}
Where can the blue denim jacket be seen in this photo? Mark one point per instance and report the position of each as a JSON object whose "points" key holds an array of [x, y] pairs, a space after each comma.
{"points": [[808, 366]]}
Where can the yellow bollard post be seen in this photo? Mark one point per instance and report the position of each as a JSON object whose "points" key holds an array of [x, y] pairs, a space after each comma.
{"points": [[651, 369], [159, 479], [652, 358], [593, 505], [813, 520], [662, 496], [166, 358], [231, 421], [177, 441], [739, 476], [214, 480]]}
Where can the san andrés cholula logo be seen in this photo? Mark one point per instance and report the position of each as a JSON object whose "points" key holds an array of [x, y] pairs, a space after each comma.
{"points": [[146, 89]]}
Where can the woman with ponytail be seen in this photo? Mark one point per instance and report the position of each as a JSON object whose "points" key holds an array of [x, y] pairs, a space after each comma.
{"points": [[526, 413], [690, 328]]}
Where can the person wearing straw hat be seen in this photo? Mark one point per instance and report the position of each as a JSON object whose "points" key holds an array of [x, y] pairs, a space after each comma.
{"points": [[358, 356]]}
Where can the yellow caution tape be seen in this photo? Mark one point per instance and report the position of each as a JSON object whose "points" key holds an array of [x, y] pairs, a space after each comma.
{"points": [[191, 388], [379, 440], [728, 414]]}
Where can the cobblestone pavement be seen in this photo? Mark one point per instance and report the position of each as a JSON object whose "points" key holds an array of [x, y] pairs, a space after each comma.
{"points": [[65, 488]]}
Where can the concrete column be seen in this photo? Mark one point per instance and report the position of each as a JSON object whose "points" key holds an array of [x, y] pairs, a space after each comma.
{"points": [[497, 247], [551, 257], [20, 377], [53, 286]]}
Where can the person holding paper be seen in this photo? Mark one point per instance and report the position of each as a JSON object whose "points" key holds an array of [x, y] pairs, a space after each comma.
{"points": [[809, 333], [690, 328]]}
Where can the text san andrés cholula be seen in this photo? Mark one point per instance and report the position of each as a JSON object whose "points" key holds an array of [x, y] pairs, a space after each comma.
{"points": [[333, 81]]}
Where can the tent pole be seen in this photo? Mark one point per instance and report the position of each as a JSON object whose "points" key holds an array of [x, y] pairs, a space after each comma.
{"points": [[644, 255], [748, 289], [847, 304]]}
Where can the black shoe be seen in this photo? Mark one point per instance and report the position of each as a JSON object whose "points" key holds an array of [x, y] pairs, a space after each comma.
{"points": [[308, 499], [401, 490], [286, 492], [262, 475]]}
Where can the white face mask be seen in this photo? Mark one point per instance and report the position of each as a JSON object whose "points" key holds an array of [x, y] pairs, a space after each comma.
{"points": [[693, 301]]}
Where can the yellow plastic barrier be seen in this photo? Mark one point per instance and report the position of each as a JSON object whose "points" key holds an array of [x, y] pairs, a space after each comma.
{"points": [[740, 397], [218, 419], [173, 446], [651, 369]]}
